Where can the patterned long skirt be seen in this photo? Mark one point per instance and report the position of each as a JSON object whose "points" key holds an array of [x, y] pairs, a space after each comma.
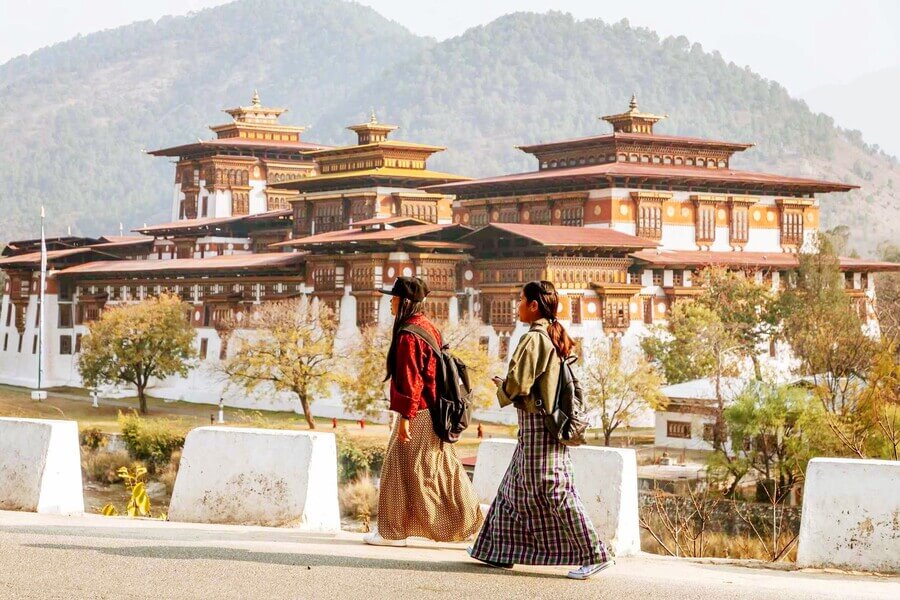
{"points": [[425, 491], [537, 517]]}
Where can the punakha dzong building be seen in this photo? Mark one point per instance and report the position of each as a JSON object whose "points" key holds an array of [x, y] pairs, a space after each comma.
{"points": [[621, 222]]}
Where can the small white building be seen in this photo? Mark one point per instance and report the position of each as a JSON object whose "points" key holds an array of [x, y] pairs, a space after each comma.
{"points": [[688, 420]]}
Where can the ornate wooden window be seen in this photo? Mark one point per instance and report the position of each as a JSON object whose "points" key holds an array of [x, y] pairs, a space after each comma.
{"points": [[576, 310], [657, 277], [739, 229], [425, 211], [501, 312], [540, 215], [509, 214], [189, 206], [480, 218], [366, 312], [649, 221], [648, 311], [678, 429], [437, 309], [678, 278], [65, 344], [240, 203], [572, 216], [301, 226], [616, 313], [362, 278], [791, 227], [324, 278], [328, 217], [77, 343], [706, 223]]}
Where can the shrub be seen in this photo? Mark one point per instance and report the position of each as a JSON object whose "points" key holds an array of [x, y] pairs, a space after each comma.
{"points": [[101, 466], [92, 438], [359, 499], [152, 441], [355, 459]]}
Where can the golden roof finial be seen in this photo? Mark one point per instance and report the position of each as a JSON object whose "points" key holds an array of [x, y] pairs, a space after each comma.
{"points": [[254, 101], [372, 118], [633, 106]]}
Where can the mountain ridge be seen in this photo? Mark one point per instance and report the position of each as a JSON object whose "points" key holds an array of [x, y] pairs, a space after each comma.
{"points": [[95, 102]]}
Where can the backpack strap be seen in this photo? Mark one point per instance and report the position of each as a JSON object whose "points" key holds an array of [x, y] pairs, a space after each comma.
{"points": [[424, 334]]}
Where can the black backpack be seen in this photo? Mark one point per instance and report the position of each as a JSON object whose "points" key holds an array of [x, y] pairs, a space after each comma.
{"points": [[452, 407], [568, 421]]}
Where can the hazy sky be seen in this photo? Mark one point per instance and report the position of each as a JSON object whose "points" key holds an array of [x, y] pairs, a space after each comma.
{"points": [[801, 43]]}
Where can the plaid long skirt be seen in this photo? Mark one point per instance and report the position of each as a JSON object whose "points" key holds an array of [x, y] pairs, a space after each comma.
{"points": [[425, 491], [537, 517]]}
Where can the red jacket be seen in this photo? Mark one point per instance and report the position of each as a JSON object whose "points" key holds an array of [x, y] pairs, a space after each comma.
{"points": [[413, 383]]}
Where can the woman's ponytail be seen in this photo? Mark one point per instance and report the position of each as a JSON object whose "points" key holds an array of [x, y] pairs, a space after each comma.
{"points": [[544, 293]]}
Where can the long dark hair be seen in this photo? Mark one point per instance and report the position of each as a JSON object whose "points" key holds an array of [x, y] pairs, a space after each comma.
{"points": [[544, 293], [407, 309]]}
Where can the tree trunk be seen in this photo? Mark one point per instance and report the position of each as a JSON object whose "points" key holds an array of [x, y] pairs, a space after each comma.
{"points": [[757, 370], [607, 435], [142, 398], [307, 412]]}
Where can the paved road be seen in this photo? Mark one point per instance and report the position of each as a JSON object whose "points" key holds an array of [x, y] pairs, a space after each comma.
{"points": [[98, 557]]}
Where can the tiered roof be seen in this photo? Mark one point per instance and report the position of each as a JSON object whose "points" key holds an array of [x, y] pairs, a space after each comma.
{"points": [[254, 129], [634, 156], [373, 161]]}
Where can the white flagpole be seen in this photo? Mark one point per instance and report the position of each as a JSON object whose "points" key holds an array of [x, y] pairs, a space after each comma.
{"points": [[40, 377]]}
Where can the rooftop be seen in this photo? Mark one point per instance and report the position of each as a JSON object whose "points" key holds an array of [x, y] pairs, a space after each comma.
{"points": [[639, 173], [237, 262], [770, 260]]}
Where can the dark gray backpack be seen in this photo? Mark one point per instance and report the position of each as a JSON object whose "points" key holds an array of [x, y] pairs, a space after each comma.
{"points": [[452, 407], [568, 421]]}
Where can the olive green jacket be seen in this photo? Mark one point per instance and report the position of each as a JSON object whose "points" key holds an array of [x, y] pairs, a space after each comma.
{"points": [[533, 371]]}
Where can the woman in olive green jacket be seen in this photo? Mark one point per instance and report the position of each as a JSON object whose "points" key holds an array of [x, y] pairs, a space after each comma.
{"points": [[537, 517]]}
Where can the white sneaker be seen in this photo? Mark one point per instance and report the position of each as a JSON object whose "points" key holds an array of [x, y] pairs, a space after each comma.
{"points": [[588, 570], [374, 538]]}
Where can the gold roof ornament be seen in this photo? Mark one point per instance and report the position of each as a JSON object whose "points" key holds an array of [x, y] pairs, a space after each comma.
{"points": [[254, 101], [372, 132], [633, 121]]}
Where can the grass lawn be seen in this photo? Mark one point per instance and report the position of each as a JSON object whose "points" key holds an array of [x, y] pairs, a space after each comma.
{"points": [[75, 404]]}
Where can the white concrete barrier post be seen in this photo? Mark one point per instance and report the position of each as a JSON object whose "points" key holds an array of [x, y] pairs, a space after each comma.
{"points": [[606, 480], [258, 477], [851, 515], [40, 466]]}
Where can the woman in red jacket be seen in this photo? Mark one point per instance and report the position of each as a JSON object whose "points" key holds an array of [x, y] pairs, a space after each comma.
{"points": [[425, 491]]}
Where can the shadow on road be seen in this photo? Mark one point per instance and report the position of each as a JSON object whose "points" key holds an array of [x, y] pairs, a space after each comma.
{"points": [[299, 560]]}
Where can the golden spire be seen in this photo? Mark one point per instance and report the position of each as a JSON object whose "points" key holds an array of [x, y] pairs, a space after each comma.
{"points": [[633, 120], [255, 101], [372, 118]]}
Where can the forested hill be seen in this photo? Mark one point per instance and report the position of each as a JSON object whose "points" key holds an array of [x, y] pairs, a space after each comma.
{"points": [[75, 116]]}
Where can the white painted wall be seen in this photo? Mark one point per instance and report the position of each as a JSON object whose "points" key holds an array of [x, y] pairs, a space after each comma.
{"points": [[662, 440], [606, 480], [258, 477], [851, 515], [40, 466]]}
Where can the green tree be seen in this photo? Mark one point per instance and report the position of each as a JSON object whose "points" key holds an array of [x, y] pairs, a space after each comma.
{"points": [[747, 310], [288, 345], [618, 389], [137, 342], [362, 375], [774, 431]]}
